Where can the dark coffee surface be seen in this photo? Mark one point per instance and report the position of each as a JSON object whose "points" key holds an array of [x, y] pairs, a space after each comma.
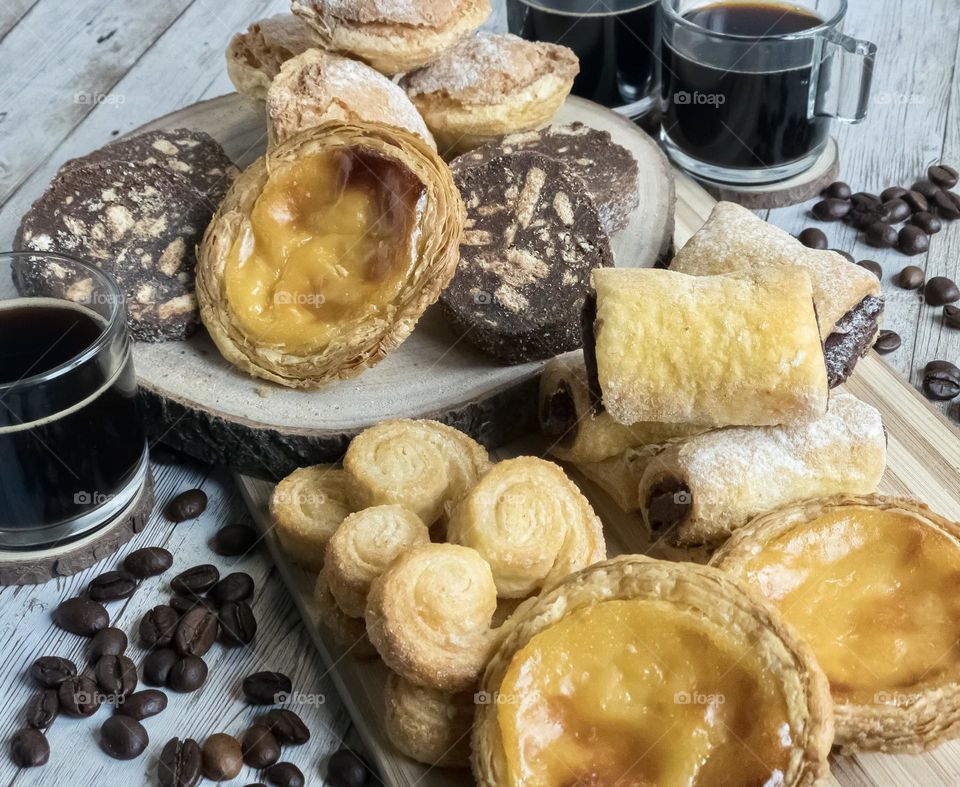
{"points": [[753, 19]]}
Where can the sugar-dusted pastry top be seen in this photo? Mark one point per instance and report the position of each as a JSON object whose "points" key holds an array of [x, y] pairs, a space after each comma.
{"points": [[734, 239], [488, 67], [316, 86], [417, 13]]}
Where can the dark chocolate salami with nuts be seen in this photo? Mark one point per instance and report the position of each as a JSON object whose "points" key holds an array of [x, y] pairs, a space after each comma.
{"points": [[608, 170], [532, 237]]}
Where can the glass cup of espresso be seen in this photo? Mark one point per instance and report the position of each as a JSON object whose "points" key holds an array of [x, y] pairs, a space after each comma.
{"points": [[73, 452], [617, 42], [749, 88]]}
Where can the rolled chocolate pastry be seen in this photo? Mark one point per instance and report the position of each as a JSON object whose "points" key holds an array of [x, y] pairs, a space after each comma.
{"points": [[577, 430], [740, 349], [619, 476], [848, 298], [700, 490]]}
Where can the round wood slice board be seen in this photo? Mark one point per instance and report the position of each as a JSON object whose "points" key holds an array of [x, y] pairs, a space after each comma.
{"points": [[197, 402]]}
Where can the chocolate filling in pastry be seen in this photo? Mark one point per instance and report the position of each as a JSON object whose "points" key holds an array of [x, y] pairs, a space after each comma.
{"points": [[668, 504], [589, 329], [851, 338], [558, 416]]}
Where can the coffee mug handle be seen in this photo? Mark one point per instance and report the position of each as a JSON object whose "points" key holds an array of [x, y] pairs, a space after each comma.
{"points": [[843, 77]]}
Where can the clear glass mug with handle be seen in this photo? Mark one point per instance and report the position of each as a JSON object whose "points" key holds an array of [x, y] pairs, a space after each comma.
{"points": [[749, 89]]}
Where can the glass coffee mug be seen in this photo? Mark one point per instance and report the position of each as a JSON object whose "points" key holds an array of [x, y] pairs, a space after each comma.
{"points": [[617, 42], [73, 453], [749, 88]]}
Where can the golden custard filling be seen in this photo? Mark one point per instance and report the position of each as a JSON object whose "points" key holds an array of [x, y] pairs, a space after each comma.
{"points": [[640, 692], [875, 593], [330, 241]]}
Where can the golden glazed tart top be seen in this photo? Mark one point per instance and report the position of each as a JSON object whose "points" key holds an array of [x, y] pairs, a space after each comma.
{"points": [[642, 672], [872, 585]]}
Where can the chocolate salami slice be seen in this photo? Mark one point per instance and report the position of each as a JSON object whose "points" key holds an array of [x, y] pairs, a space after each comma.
{"points": [[608, 170], [193, 155], [532, 238], [138, 223], [852, 336]]}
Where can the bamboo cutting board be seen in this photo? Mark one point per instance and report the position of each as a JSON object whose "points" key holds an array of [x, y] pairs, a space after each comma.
{"points": [[924, 462]]}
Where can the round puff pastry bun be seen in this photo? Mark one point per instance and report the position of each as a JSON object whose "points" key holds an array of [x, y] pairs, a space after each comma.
{"points": [[392, 37], [326, 251], [640, 671], [870, 583], [316, 86], [254, 58], [489, 85]]}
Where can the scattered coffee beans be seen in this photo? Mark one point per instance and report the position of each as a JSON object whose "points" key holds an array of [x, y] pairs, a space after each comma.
{"points": [[81, 616], [123, 737], [912, 240], [143, 704], [196, 632], [951, 316], [79, 696], [948, 205], [831, 209], [183, 604], [43, 709], [873, 266], [148, 562], [887, 342], [896, 210], [112, 586], [284, 774], [51, 671], [179, 764], [926, 221], [186, 505], [910, 278], [838, 189], [346, 769], [260, 748], [880, 235], [287, 727], [195, 580], [238, 626], [222, 757], [893, 192], [157, 666], [813, 238], [29, 748], [106, 642], [233, 587], [916, 201], [158, 626], [116, 675], [941, 380], [943, 175], [266, 688], [236, 540], [187, 675], [928, 188], [940, 291]]}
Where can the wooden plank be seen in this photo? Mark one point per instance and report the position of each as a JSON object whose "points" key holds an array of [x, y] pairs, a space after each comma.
{"points": [[12, 12]]}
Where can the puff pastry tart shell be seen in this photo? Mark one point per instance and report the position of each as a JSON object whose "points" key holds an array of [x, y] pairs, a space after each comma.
{"points": [[870, 583], [638, 671], [326, 251]]}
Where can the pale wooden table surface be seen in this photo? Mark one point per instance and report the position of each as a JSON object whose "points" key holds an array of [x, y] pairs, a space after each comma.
{"points": [[75, 75]]}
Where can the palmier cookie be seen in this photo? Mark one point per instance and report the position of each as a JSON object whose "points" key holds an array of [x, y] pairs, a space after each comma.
{"points": [[424, 466], [428, 725], [392, 37], [348, 633], [316, 86], [532, 239], [363, 546], [429, 616], [307, 507], [489, 85], [254, 58], [530, 523]]}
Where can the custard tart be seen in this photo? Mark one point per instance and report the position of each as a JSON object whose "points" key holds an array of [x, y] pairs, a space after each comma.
{"points": [[645, 672], [326, 251], [870, 583]]}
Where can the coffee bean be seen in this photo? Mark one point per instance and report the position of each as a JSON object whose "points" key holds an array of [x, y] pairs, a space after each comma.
{"points": [[916, 201], [948, 205], [896, 210], [238, 626], [112, 586], [186, 505], [813, 238], [236, 540], [863, 217], [51, 671], [195, 580], [148, 562], [926, 221], [222, 757], [941, 380], [260, 748], [43, 709], [187, 675], [942, 175], [873, 266], [845, 254], [887, 342], [912, 240], [951, 316], [183, 604], [79, 696], [880, 235], [196, 632], [157, 666], [266, 688], [838, 189], [29, 748], [346, 769], [940, 291], [284, 774], [831, 209], [123, 737], [926, 187], [106, 642], [81, 616], [893, 192], [158, 625], [286, 726], [179, 764], [864, 199], [910, 278], [233, 587], [116, 675], [143, 704]]}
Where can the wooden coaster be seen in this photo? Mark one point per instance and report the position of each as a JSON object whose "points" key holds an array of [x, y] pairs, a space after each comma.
{"points": [[32, 567], [791, 191]]}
